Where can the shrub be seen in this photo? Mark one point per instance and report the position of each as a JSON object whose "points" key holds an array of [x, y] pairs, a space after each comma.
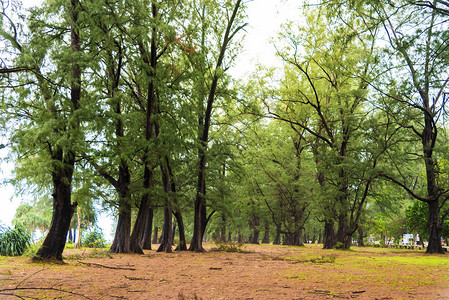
{"points": [[228, 247], [14, 241], [93, 239], [339, 245]]}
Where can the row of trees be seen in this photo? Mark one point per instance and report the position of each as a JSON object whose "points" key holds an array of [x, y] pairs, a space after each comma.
{"points": [[129, 104]]}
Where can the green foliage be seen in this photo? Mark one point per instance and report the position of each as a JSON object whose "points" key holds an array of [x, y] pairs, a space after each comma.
{"points": [[416, 215], [14, 241], [94, 239], [228, 247], [32, 250], [339, 245]]}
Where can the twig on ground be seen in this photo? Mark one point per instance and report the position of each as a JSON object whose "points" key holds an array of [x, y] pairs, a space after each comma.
{"points": [[103, 266]]}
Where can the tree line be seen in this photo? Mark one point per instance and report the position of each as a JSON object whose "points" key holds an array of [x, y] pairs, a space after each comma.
{"points": [[131, 105]]}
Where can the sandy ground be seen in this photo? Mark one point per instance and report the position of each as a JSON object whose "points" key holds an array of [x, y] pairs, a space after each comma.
{"points": [[262, 272]]}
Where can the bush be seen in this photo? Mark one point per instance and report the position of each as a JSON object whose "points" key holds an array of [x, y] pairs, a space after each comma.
{"points": [[339, 245], [93, 239], [14, 241], [228, 247]]}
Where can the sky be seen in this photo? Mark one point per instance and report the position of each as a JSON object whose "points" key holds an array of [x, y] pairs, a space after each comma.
{"points": [[264, 20]]}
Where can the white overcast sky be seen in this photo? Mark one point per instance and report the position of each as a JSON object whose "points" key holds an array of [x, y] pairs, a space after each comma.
{"points": [[264, 20]]}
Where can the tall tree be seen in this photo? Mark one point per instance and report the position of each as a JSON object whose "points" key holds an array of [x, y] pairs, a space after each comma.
{"points": [[233, 26], [50, 108], [332, 85]]}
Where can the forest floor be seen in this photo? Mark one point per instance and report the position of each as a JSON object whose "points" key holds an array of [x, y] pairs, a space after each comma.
{"points": [[259, 272]]}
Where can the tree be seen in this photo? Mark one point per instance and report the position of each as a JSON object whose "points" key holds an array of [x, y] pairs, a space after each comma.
{"points": [[49, 108], [233, 26], [416, 60], [324, 98]]}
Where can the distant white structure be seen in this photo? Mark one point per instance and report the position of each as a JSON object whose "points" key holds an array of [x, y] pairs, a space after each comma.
{"points": [[409, 239]]}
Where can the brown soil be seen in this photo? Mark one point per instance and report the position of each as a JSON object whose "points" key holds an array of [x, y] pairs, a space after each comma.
{"points": [[262, 272]]}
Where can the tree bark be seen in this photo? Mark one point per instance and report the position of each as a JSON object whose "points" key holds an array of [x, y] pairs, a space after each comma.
{"points": [[329, 234], [266, 236], [360, 239], [277, 238], [182, 246], [63, 210], [146, 240], [155, 235], [435, 229], [255, 224], [167, 232]]}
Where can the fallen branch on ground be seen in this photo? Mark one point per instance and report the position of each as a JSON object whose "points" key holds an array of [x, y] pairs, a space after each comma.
{"points": [[103, 266]]}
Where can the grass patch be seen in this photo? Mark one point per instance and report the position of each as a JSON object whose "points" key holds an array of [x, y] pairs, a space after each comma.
{"points": [[322, 259], [88, 253], [229, 247]]}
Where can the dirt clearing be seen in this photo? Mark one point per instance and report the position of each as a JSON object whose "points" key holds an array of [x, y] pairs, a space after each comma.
{"points": [[262, 272]]}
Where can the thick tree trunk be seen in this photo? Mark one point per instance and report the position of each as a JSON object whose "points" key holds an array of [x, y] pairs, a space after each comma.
{"points": [[146, 240], [63, 210], [435, 229], [298, 237], [142, 216], [329, 234], [342, 231], [182, 246], [167, 232], [121, 241], [266, 236]]}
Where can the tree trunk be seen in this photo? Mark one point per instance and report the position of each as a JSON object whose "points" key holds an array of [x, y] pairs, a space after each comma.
{"points": [[277, 238], [298, 237], [360, 239], [63, 210], [146, 240], [140, 225], [256, 230], [182, 246], [266, 236], [342, 231], [155, 235], [435, 229], [329, 234], [223, 228], [239, 237], [121, 241]]}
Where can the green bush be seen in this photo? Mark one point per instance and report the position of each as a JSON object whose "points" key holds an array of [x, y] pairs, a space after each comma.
{"points": [[93, 239], [228, 247], [339, 245], [14, 241]]}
